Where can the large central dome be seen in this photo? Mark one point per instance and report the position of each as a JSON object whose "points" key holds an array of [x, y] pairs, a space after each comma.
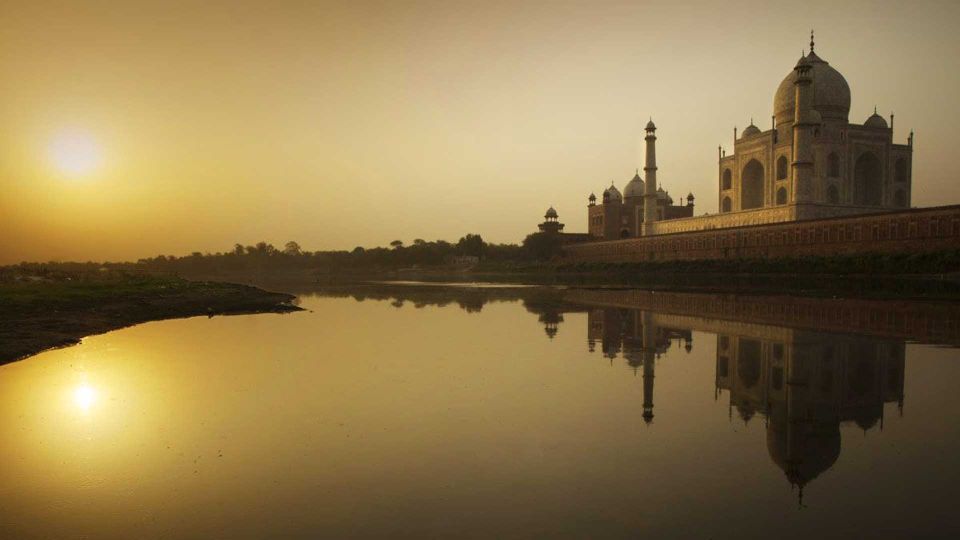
{"points": [[831, 93]]}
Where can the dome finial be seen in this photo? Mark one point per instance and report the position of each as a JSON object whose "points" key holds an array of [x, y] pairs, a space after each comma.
{"points": [[874, 109], [811, 40]]}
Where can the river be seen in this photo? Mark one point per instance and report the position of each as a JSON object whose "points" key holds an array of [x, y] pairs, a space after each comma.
{"points": [[494, 412]]}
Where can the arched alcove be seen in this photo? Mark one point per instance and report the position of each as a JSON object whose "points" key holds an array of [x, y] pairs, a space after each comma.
{"points": [[782, 196], [900, 198], [900, 170], [751, 186], [727, 179], [868, 180], [833, 194], [782, 168], [726, 205], [833, 165]]}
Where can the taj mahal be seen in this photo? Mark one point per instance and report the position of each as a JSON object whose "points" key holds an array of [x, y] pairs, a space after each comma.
{"points": [[813, 163]]}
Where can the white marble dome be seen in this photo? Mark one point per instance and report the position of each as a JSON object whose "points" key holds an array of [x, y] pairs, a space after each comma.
{"points": [[831, 93], [875, 121]]}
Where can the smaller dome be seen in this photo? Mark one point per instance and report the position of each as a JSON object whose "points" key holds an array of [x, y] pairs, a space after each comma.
{"points": [[612, 194], [689, 196], [651, 126], [875, 121], [635, 187], [550, 213], [592, 197], [750, 130]]}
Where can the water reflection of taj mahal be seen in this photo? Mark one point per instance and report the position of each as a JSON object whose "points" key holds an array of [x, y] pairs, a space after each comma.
{"points": [[804, 367], [803, 384]]}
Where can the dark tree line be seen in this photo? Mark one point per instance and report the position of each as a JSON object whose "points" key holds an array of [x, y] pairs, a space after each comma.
{"points": [[263, 257]]}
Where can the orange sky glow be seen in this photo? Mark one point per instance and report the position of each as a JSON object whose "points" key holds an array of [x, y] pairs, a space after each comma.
{"points": [[131, 129]]}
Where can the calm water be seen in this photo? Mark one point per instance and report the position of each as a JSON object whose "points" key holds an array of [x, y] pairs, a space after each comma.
{"points": [[453, 412]]}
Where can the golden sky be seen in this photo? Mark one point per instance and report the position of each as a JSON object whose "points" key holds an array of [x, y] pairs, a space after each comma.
{"points": [[129, 129]]}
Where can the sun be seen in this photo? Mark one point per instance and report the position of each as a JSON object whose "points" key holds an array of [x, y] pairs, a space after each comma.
{"points": [[74, 153]]}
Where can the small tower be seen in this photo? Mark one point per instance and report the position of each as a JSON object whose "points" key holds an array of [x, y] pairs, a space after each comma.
{"points": [[650, 188], [690, 200], [551, 223], [592, 200]]}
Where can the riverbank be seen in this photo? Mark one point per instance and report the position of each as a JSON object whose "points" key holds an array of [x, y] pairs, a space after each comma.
{"points": [[36, 315]]}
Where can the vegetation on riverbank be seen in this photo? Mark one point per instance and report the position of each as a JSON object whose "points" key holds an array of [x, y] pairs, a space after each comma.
{"points": [[39, 312]]}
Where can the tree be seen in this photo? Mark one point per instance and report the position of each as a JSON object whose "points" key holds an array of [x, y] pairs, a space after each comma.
{"points": [[238, 249], [397, 244], [542, 247], [292, 248], [471, 244]]}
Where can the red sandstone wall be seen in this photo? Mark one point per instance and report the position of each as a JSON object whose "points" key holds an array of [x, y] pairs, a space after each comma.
{"points": [[910, 231]]}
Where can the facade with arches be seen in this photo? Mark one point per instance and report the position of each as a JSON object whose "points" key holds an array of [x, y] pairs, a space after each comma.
{"points": [[812, 155]]}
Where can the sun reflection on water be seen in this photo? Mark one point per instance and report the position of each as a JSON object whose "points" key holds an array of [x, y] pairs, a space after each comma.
{"points": [[84, 397]]}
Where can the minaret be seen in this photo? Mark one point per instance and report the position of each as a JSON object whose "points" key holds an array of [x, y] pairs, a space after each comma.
{"points": [[805, 119], [650, 188]]}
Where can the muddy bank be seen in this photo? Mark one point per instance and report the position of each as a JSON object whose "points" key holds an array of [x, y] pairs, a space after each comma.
{"points": [[35, 316]]}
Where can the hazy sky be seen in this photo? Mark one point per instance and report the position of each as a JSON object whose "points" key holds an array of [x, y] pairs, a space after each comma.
{"points": [[129, 129]]}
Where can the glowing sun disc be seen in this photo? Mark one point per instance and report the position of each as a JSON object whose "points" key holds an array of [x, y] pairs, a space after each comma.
{"points": [[74, 153], [84, 397]]}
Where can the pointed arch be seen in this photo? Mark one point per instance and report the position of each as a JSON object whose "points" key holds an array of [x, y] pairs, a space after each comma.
{"points": [[782, 167], [868, 180], [900, 170], [833, 194], [751, 185], [833, 165], [782, 196]]}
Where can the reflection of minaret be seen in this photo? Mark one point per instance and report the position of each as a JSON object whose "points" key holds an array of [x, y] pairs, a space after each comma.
{"points": [[649, 350]]}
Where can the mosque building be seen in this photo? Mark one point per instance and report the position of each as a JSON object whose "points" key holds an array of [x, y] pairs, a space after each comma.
{"points": [[813, 164], [813, 155]]}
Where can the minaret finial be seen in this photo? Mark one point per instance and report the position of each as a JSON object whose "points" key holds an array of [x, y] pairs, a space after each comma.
{"points": [[811, 40], [874, 109]]}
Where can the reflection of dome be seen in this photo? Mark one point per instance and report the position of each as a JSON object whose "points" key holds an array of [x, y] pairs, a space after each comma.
{"points": [[875, 121], [551, 213], [867, 417], [634, 187], [750, 130], [746, 411], [831, 93], [806, 452]]}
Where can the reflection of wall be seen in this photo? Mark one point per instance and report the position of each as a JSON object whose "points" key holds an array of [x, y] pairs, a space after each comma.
{"points": [[806, 386], [925, 322]]}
